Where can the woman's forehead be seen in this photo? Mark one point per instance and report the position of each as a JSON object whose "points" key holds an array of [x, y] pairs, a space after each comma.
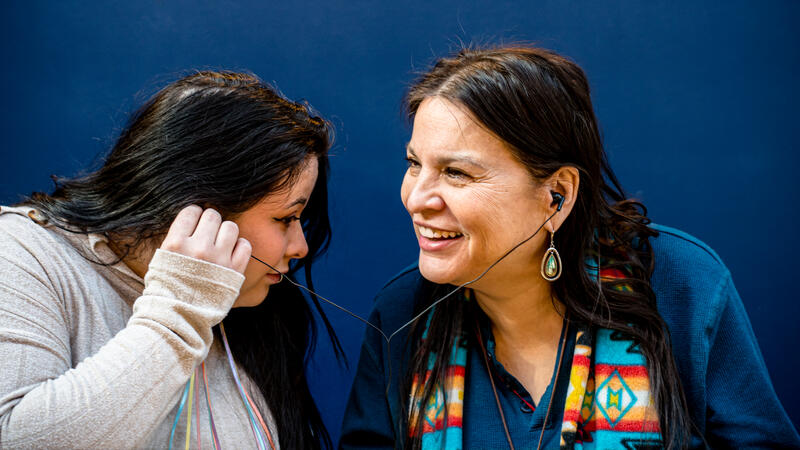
{"points": [[447, 132], [297, 191]]}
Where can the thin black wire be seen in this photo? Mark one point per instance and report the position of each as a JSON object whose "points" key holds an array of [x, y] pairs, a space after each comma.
{"points": [[389, 338], [342, 308]]}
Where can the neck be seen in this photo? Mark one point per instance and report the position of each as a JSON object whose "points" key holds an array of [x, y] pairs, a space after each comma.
{"points": [[524, 313], [137, 258]]}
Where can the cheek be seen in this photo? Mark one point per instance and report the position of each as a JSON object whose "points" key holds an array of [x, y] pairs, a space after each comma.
{"points": [[255, 287], [269, 244], [480, 211], [253, 271], [405, 189]]}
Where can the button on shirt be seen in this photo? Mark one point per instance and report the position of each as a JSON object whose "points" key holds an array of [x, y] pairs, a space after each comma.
{"points": [[482, 423]]}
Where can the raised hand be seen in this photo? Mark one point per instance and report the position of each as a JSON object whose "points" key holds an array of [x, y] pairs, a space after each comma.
{"points": [[202, 234]]}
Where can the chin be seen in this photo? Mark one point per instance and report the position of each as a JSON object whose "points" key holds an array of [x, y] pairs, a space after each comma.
{"points": [[437, 272], [250, 299]]}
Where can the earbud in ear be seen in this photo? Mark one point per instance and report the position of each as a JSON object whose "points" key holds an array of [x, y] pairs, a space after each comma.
{"points": [[557, 198]]}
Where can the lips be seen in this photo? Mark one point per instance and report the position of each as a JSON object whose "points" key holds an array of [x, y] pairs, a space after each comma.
{"points": [[274, 278], [433, 239]]}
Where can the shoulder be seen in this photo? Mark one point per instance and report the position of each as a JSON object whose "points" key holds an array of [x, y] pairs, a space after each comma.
{"points": [[677, 245], [395, 302], [32, 253], [20, 234], [685, 261], [689, 279], [403, 282], [33, 261]]}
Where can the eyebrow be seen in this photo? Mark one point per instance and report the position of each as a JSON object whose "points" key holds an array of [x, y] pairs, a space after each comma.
{"points": [[299, 201], [451, 158]]}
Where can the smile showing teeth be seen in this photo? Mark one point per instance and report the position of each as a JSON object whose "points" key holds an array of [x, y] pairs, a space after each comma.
{"points": [[432, 233]]}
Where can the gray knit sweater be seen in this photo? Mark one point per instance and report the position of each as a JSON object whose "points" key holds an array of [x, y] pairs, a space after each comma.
{"points": [[92, 356]]}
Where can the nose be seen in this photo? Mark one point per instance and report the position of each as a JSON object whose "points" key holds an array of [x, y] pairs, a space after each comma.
{"points": [[297, 247], [421, 194]]}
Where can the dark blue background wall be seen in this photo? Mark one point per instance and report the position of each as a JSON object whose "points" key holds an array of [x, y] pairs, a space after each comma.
{"points": [[697, 101]]}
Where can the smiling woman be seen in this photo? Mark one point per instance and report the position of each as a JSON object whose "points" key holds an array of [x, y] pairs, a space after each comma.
{"points": [[118, 287], [457, 168], [578, 324]]}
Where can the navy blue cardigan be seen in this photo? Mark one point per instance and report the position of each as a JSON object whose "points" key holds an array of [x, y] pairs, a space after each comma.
{"points": [[727, 386]]}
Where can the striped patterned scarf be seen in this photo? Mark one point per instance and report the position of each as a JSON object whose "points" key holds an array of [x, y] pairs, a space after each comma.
{"points": [[435, 433], [608, 403]]}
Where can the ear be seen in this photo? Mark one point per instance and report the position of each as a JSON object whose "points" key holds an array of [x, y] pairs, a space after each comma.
{"points": [[564, 181]]}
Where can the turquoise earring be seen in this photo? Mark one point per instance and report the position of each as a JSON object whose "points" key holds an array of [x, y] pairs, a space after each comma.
{"points": [[551, 263]]}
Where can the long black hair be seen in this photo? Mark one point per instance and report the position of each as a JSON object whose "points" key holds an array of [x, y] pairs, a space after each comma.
{"points": [[223, 140], [538, 103]]}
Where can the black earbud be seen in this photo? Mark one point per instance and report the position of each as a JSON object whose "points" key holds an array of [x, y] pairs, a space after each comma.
{"points": [[557, 198]]}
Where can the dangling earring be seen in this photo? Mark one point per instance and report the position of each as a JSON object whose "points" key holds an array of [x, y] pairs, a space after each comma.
{"points": [[551, 263]]}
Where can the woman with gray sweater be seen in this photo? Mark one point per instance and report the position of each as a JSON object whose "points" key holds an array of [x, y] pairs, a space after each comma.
{"points": [[141, 305]]}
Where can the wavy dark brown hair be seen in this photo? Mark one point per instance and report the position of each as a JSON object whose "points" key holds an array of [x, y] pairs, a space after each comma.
{"points": [[538, 103], [223, 140]]}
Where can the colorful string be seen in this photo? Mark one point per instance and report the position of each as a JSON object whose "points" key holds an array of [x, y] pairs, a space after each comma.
{"points": [[260, 420], [178, 415], [189, 413], [257, 431], [215, 438], [197, 410]]}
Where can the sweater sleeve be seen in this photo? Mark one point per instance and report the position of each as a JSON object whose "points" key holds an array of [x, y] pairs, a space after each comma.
{"points": [[743, 410], [118, 396], [367, 419]]}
